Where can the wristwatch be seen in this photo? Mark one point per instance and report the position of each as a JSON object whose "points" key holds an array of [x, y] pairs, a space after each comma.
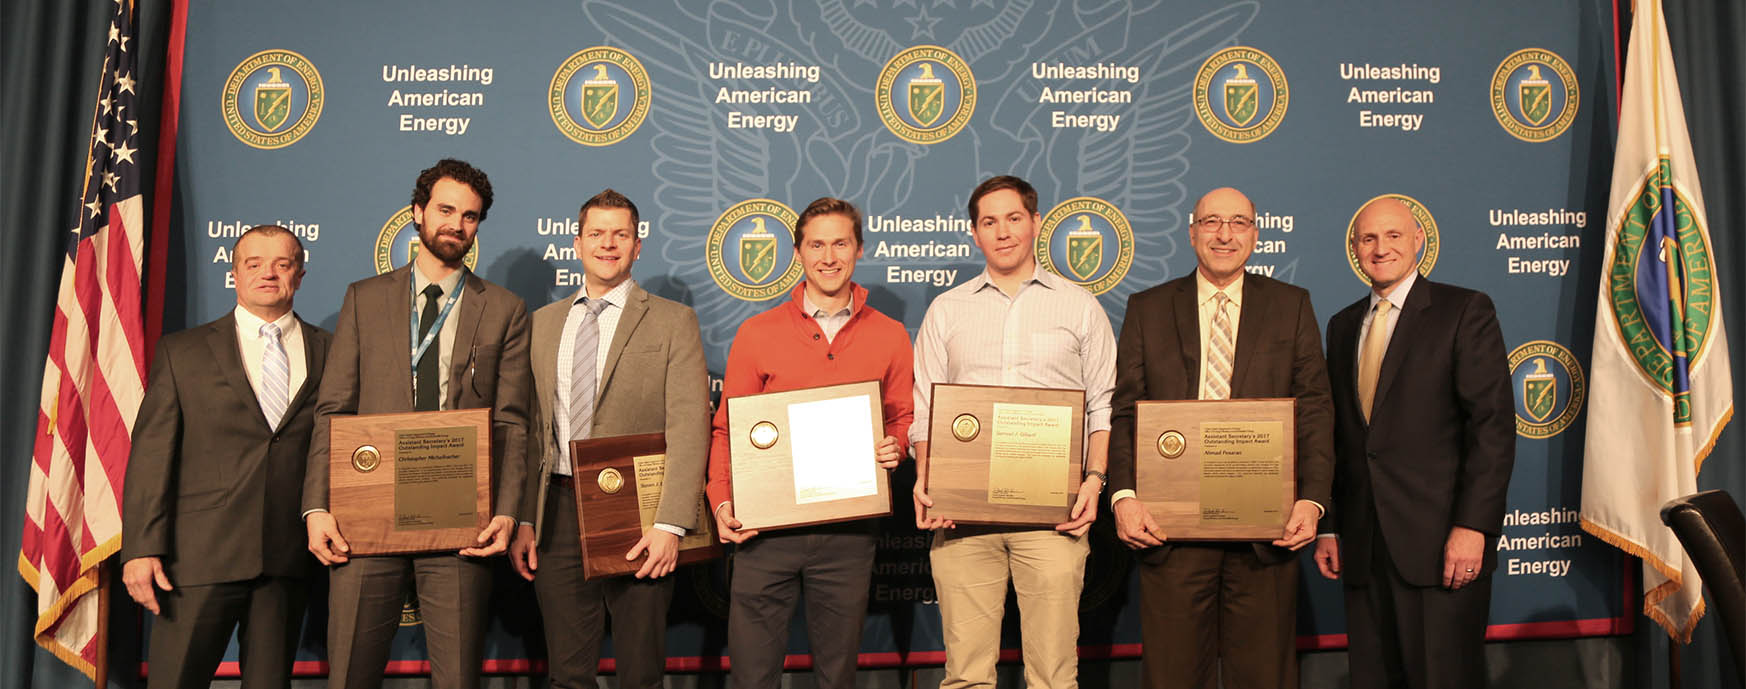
{"points": [[1100, 476]]}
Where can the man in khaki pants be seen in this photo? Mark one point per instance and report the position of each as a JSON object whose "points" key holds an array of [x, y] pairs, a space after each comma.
{"points": [[1015, 324]]}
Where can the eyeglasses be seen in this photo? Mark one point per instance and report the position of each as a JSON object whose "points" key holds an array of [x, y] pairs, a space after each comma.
{"points": [[1212, 223]]}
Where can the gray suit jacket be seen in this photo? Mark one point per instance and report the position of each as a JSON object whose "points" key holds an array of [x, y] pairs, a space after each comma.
{"points": [[369, 371], [655, 380], [206, 475]]}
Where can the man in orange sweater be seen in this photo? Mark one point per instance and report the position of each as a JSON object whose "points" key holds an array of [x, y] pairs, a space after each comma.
{"points": [[825, 334]]}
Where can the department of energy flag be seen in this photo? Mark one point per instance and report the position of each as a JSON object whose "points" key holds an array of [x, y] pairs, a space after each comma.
{"points": [[94, 377], [1662, 388]]}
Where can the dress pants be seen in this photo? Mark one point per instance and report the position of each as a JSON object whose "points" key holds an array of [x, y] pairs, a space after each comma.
{"points": [[971, 567], [364, 600], [832, 567], [1403, 635], [575, 610], [1212, 611], [190, 633]]}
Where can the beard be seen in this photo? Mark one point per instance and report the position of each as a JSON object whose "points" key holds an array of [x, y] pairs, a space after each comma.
{"points": [[446, 252]]}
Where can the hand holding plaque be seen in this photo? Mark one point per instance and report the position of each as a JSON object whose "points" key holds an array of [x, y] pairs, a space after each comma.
{"points": [[1217, 469], [410, 483], [618, 492]]}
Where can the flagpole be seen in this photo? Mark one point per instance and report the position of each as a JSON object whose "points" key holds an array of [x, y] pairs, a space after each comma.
{"points": [[101, 676]]}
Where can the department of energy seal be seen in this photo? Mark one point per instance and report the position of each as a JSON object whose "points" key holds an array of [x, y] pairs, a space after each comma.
{"points": [[764, 435], [1661, 287], [366, 458], [609, 481], [599, 96], [750, 250], [397, 243], [1427, 256], [925, 94], [272, 99], [1534, 95], [965, 427], [1240, 94], [1549, 386], [1089, 241], [1171, 444]]}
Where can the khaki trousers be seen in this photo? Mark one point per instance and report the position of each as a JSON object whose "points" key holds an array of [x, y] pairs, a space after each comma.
{"points": [[972, 567]]}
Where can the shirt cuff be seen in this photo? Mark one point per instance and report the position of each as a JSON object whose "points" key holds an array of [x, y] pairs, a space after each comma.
{"points": [[1320, 511], [306, 513], [1097, 421], [669, 528], [524, 523], [1328, 535], [1121, 495]]}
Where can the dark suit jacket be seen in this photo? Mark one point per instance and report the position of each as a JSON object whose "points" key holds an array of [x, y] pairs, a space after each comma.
{"points": [[655, 381], [207, 478], [1279, 354], [1441, 439], [370, 372]]}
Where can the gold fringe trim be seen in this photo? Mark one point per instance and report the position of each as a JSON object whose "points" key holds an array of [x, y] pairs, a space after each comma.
{"points": [[28, 571], [1653, 597], [1632, 547], [1704, 453]]}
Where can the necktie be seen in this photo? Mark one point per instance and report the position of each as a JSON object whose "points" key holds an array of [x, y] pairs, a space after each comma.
{"points": [[582, 377], [428, 384], [275, 385], [1221, 354], [1370, 357]]}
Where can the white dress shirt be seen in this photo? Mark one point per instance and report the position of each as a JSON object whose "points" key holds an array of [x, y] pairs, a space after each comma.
{"points": [[445, 344], [254, 346]]}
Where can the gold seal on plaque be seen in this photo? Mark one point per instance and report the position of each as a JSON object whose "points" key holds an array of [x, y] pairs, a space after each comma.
{"points": [[966, 427], [609, 480], [764, 435], [366, 458], [1171, 444]]}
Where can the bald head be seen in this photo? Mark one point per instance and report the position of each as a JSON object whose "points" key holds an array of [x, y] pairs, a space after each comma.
{"points": [[1225, 198], [1386, 239], [1222, 232]]}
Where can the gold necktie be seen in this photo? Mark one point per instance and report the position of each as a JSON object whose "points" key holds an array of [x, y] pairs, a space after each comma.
{"points": [[1220, 354], [1370, 357]]}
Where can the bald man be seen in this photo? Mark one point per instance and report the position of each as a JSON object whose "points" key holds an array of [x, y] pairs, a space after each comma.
{"points": [[1425, 440], [1221, 610]]}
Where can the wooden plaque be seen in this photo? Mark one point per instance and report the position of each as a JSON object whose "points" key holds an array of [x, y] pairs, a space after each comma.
{"points": [[1005, 455], [618, 490], [1217, 470], [410, 483], [773, 488]]}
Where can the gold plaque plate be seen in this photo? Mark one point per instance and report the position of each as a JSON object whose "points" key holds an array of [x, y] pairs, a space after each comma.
{"points": [[1171, 444], [366, 458], [764, 435], [609, 480], [965, 428]]}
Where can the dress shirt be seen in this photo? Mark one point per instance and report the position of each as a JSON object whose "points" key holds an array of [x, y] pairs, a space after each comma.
{"points": [[445, 344], [1051, 333], [1206, 296], [1396, 301], [254, 345], [830, 323]]}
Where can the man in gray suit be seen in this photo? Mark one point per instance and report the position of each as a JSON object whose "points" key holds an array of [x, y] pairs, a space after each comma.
{"points": [[610, 360], [470, 352], [225, 422]]}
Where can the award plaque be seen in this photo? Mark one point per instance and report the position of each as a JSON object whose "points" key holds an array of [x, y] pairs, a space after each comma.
{"points": [[410, 483], [1217, 470], [806, 457], [1004, 455], [618, 491]]}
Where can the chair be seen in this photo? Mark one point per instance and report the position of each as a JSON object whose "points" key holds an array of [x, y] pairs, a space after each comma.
{"points": [[1713, 532]]}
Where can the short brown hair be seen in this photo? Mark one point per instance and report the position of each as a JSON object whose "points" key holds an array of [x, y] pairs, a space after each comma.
{"points": [[993, 184], [268, 231], [826, 205], [459, 171], [607, 198]]}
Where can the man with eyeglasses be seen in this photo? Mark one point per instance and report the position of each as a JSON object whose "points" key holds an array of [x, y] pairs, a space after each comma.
{"points": [[1221, 611]]}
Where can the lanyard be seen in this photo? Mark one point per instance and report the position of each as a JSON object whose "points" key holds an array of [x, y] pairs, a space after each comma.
{"points": [[436, 327]]}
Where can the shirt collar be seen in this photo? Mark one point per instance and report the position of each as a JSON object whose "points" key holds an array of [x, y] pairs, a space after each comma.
{"points": [[250, 324], [1206, 291], [1038, 276], [617, 296], [815, 311], [1397, 297], [419, 281]]}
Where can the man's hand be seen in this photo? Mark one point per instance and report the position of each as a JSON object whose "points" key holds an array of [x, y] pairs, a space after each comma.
{"points": [[663, 549], [886, 453], [922, 502], [1462, 555], [1300, 528], [1328, 556], [139, 574], [524, 552], [1084, 509], [727, 528], [1135, 526], [493, 539], [325, 540]]}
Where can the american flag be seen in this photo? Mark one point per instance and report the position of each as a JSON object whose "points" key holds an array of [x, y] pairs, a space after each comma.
{"points": [[95, 374]]}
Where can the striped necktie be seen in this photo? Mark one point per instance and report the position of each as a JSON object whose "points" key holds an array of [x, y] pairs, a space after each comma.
{"points": [[1221, 354], [274, 388], [583, 386]]}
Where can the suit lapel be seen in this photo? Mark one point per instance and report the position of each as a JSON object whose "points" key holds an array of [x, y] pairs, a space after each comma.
{"points": [[314, 360], [635, 307], [1417, 301], [1188, 334], [396, 301], [227, 356], [472, 309], [1249, 327], [1343, 352]]}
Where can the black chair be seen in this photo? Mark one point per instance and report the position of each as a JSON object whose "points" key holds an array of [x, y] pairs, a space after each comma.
{"points": [[1710, 527]]}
